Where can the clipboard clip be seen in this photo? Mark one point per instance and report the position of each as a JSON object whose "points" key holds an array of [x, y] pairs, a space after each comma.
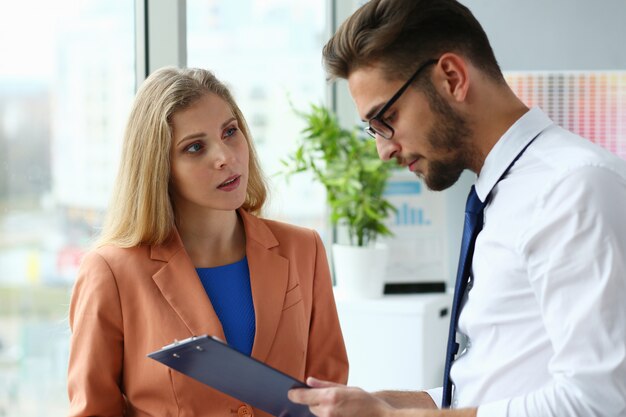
{"points": [[188, 340]]}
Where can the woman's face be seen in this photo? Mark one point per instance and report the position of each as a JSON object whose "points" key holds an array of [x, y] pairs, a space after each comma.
{"points": [[209, 157]]}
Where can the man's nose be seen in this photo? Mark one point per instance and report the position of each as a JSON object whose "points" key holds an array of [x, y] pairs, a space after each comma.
{"points": [[387, 148]]}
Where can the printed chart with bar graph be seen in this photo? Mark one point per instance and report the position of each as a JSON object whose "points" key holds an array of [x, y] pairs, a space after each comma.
{"points": [[417, 249], [408, 214]]}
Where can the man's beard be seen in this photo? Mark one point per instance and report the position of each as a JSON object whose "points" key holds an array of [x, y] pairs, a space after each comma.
{"points": [[449, 136]]}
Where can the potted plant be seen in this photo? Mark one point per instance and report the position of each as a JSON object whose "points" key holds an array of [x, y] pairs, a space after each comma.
{"points": [[346, 162]]}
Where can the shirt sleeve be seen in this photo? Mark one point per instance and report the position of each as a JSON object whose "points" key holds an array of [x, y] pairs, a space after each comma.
{"points": [[575, 249], [436, 394]]}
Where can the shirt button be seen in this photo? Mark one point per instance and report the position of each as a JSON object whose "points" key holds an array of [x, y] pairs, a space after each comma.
{"points": [[245, 411]]}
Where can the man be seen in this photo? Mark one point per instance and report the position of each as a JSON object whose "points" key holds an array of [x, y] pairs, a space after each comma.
{"points": [[543, 312]]}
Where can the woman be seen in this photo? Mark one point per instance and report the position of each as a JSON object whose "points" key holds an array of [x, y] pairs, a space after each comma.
{"points": [[183, 253]]}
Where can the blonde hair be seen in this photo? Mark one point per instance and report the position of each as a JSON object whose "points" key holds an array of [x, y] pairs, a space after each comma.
{"points": [[141, 211]]}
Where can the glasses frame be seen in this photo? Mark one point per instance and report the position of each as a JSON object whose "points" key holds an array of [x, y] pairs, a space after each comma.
{"points": [[378, 118]]}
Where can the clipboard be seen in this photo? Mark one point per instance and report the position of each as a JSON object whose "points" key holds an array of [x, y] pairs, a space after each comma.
{"points": [[225, 369]]}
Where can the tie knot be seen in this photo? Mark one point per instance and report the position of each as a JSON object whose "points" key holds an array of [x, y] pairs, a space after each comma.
{"points": [[474, 205]]}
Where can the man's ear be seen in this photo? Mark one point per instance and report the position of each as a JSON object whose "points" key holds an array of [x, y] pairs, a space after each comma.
{"points": [[453, 76]]}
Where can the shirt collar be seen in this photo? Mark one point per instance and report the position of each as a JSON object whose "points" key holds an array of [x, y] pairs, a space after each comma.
{"points": [[508, 147]]}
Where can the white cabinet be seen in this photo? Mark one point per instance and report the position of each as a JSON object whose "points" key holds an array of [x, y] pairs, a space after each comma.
{"points": [[397, 341]]}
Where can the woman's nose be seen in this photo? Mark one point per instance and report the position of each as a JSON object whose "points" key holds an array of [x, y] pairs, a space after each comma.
{"points": [[221, 156]]}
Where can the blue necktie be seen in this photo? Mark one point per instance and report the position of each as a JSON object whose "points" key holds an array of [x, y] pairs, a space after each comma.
{"points": [[473, 223]]}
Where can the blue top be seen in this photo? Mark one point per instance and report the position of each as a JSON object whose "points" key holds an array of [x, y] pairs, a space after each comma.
{"points": [[228, 288]]}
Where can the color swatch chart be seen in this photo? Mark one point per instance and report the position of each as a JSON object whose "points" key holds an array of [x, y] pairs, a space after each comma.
{"points": [[591, 104]]}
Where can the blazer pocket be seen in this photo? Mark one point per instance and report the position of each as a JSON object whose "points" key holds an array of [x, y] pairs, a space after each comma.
{"points": [[292, 297]]}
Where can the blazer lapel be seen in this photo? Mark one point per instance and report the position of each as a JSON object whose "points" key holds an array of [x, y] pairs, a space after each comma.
{"points": [[269, 273], [181, 287]]}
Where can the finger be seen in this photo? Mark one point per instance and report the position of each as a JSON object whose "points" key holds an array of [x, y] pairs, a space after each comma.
{"points": [[318, 383], [299, 396], [316, 410]]}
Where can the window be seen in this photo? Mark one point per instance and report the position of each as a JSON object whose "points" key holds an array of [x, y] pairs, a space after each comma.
{"points": [[269, 53], [66, 84]]}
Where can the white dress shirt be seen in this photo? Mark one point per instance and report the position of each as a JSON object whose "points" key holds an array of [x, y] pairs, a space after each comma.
{"points": [[545, 319]]}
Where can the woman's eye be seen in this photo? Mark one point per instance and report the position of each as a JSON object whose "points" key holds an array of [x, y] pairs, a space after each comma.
{"points": [[230, 132], [193, 148]]}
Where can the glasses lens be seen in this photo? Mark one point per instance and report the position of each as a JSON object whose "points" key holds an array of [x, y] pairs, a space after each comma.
{"points": [[380, 128]]}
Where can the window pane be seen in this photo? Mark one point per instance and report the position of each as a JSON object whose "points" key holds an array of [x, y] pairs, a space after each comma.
{"points": [[269, 54], [66, 83]]}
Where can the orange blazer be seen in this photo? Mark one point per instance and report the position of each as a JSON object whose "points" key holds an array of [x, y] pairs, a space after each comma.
{"points": [[129, 302]]}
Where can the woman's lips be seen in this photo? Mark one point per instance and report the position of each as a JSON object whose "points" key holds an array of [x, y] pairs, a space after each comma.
{"points": [[230, 184]]}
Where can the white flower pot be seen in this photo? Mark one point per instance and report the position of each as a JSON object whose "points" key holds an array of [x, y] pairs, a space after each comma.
{"points": [[360, 271]]}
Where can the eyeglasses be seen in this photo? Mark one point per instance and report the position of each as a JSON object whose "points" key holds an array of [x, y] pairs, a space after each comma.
{"points": [[377, 126]]}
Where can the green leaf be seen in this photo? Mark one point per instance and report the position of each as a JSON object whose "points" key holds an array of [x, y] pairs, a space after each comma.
{"points": [[346, 163]]}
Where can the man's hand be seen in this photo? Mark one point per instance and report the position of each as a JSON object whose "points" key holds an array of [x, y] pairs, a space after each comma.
{"points": [[407, 399], [327, 399]]}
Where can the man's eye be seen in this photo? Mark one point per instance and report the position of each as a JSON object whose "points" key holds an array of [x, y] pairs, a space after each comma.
{"points": [[193, 148], [389, 117]]}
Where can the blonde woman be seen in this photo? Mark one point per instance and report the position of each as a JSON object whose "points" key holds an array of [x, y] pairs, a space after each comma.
{"points": [[183, 252]]}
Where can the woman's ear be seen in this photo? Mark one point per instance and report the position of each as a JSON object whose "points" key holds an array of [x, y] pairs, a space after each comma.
{"points": [[453, 76]]}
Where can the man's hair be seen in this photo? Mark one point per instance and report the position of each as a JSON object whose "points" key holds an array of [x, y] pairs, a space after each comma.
{"points": [[399, 35], [141, 210]]}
